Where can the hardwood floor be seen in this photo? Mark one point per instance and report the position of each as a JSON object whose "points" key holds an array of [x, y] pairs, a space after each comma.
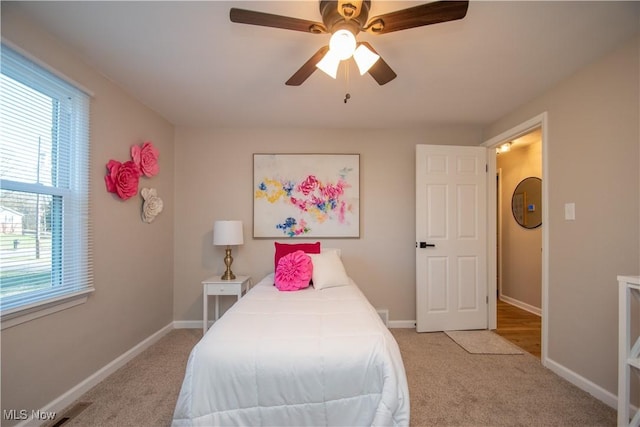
{"points": [[520, 327]]}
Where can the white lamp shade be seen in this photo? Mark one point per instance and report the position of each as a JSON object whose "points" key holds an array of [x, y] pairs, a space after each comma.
{"points": [[364, 58], [342, 44], [329, 64], [227, 233]]}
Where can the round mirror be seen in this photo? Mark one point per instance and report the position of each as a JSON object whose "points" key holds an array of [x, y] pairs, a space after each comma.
{"points": [[526, 203]]}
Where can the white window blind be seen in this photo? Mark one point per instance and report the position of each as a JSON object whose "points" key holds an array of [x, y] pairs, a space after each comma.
{"points": [[45, 237]]}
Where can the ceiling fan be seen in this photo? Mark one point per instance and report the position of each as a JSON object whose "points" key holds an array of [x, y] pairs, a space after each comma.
{"points": [[344, 19]]}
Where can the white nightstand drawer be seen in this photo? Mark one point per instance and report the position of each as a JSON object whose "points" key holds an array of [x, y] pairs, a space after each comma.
{"points": [[215, 286], [223, 288]]}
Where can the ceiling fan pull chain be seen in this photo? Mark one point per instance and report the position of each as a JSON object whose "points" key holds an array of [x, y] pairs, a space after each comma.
{"points": [[347, 96]]}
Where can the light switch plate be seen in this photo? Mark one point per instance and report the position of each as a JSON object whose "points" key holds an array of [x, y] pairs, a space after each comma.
{"points": [[570, 211]]}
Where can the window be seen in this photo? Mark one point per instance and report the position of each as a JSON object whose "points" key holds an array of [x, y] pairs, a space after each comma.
{"points": [[45, 246]]}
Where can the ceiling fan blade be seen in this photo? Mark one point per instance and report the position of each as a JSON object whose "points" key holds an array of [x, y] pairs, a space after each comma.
{"points": [[308, 68], [380, 71], [417, 16], [243, 16]]}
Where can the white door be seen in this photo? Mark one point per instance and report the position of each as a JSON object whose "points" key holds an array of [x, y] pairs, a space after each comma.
{"points": [[451, 245]]}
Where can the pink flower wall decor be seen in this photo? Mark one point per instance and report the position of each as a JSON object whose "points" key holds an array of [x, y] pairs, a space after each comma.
{"points": [[122, 178], [146, 157]]}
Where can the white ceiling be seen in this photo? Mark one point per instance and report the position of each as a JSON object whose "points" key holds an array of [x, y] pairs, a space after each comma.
{"points": [[189, 63]]}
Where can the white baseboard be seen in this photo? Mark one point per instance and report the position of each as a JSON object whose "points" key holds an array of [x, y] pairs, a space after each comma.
{"points": [[581, 382], [61, 403], [406, 324], [523, 305], [189, 324]]}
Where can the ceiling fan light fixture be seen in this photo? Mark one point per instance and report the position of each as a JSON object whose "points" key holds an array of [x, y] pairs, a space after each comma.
{"points": [[329, 64], [342, 44], [365, 58], [344, 20]]}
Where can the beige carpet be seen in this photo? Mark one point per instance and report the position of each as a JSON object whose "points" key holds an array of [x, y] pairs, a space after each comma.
{"points": [[447, 386], [144, 391], [483, 342]]}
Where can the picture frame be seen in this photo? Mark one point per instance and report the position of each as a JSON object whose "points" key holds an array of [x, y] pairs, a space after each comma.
{"points": [[306, 196]]}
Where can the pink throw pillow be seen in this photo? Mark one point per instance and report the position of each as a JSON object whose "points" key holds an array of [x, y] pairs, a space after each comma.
{"points": [[286, 248], [293, 272]]}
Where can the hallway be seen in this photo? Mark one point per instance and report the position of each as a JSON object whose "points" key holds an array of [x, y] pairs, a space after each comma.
{"points": [[520, 327]]}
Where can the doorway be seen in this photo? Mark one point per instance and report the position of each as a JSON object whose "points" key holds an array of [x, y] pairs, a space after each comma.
{"points": [[525, 307], [519, 164]]}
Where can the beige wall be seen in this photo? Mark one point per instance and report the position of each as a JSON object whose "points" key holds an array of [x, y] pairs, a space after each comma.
{"points": [[593, 157], [214, 176], [521, 247], [133, 261], [141, 270]]}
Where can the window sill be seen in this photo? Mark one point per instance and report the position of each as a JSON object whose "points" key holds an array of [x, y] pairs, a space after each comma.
{"points": [[43, 308]]}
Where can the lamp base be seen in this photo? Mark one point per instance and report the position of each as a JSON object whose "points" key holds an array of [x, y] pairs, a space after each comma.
{"points": [[228, 275], [228, 260]]}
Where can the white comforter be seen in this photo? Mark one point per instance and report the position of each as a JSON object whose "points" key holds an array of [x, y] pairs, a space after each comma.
{"points": [[304, 358]]}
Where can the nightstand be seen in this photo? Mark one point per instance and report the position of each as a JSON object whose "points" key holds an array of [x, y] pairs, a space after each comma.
{"points": [[216, 286]]}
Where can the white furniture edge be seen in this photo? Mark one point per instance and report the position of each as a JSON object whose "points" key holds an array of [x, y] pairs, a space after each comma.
{"points": [[628, 350]]}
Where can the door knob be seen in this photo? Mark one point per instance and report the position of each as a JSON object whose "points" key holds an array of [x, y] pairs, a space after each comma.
{"points": [[424, 245]]}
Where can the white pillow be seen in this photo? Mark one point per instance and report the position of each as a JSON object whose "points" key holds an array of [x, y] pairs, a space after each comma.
{"points": [[338, 250], [328, 270]]}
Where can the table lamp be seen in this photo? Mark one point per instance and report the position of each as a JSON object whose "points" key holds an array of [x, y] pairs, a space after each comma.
{"points": [[227, 233]]}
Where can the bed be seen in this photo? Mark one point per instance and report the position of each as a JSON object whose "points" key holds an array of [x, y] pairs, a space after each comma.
{"points": [[304, 358]]}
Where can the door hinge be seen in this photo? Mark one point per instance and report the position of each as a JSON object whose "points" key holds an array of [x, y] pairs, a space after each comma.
{"points": [[486, 168], [487, 299]]}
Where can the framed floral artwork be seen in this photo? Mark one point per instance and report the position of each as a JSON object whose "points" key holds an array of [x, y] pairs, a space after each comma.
{"points": [[306, 195]]}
